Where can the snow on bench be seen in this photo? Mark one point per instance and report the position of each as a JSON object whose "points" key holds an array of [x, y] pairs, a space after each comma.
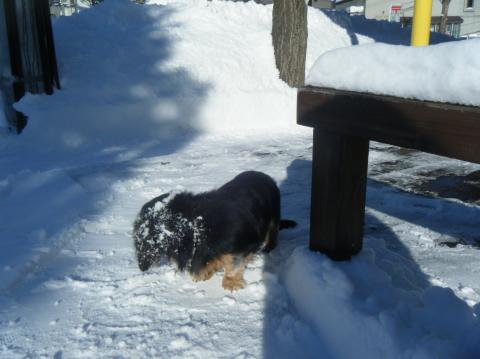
{"points": [[448, 72]]}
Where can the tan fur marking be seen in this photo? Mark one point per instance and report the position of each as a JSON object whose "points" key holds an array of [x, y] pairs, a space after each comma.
{"points": [[209, 270], [234, 268]]}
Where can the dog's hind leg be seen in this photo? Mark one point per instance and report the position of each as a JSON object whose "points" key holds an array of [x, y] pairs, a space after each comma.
{"points": [[234, 268], [271, 237]]}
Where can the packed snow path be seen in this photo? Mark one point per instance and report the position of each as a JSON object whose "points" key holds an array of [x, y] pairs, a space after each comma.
{"points": [[90, 299], [87, 298]]}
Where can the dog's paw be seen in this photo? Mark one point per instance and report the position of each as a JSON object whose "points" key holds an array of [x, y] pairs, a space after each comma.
{"points": [[233, 283], [201, 277], [208, 270]]}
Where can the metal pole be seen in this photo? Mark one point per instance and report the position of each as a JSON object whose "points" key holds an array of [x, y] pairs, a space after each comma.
{"points": [[422, 17]]}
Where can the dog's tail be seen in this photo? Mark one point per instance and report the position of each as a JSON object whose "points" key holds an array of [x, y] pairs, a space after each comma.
{"points": [[287, 223]]}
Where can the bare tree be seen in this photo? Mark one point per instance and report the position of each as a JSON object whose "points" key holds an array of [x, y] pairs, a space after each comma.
{"points": [[443, 21], [289, 37]]}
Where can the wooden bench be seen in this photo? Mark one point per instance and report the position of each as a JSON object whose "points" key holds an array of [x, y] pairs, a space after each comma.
{"points": [[344, 122]]}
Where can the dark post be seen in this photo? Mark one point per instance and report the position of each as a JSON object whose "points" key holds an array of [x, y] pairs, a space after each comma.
{"points": [[34, 38], [10, 83], [339, 176], [46, 46], [31, 53]]}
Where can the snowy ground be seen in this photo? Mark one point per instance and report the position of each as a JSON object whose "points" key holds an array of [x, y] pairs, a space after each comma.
{"points": [[185, 96]]}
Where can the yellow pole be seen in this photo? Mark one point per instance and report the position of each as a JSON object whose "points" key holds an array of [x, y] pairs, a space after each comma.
{"points": [[422, 16]]}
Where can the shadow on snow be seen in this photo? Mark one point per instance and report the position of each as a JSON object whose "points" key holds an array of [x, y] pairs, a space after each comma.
{"points": [[86, 137], [294, 328]]}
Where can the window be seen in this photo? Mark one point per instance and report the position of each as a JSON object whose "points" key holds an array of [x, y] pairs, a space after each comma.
{"points": [[469, 4], [453, 29]]}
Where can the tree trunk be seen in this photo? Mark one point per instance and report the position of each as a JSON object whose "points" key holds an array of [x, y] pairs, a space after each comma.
{"points": [[443, 21], [289, 36]]}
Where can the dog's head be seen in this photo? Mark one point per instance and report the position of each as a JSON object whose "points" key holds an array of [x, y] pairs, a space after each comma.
{"points": [[146, 232], [167, 227]]}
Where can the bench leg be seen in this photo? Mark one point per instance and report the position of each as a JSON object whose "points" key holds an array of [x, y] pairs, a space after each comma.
{"points": [[339, 182]]}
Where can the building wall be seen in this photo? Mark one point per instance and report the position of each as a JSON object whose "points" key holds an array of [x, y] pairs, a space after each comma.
{"points": [[344, 5], [63, 7], [322, 4], [380, 10], [471, 18]]}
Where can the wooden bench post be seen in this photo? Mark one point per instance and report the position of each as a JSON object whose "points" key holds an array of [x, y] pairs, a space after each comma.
{"points": [[339, 181]]}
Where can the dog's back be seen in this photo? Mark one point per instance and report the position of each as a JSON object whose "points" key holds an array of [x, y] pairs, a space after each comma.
{"points": [[238, 216], [253, 191]]}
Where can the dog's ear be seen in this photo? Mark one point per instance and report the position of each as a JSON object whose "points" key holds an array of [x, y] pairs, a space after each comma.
{"points": [[143, 263], [163, 197], [147, 249], [144, 249], [145, 232]]}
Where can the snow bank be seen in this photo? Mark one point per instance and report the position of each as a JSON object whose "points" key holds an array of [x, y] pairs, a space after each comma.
{"points": [[139, 81], [115, 85], [134, 73], [448, 72], [360, 311]]}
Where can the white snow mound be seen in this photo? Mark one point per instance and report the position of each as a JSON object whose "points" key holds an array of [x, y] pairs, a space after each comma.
{"points": [[448, 72]]}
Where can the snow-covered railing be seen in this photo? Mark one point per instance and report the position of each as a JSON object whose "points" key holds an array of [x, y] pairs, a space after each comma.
{"points": [[425, 98], [344, 122]]}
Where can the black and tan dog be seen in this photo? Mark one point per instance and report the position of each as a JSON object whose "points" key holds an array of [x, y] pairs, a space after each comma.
{"points": [[203, 233]]}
